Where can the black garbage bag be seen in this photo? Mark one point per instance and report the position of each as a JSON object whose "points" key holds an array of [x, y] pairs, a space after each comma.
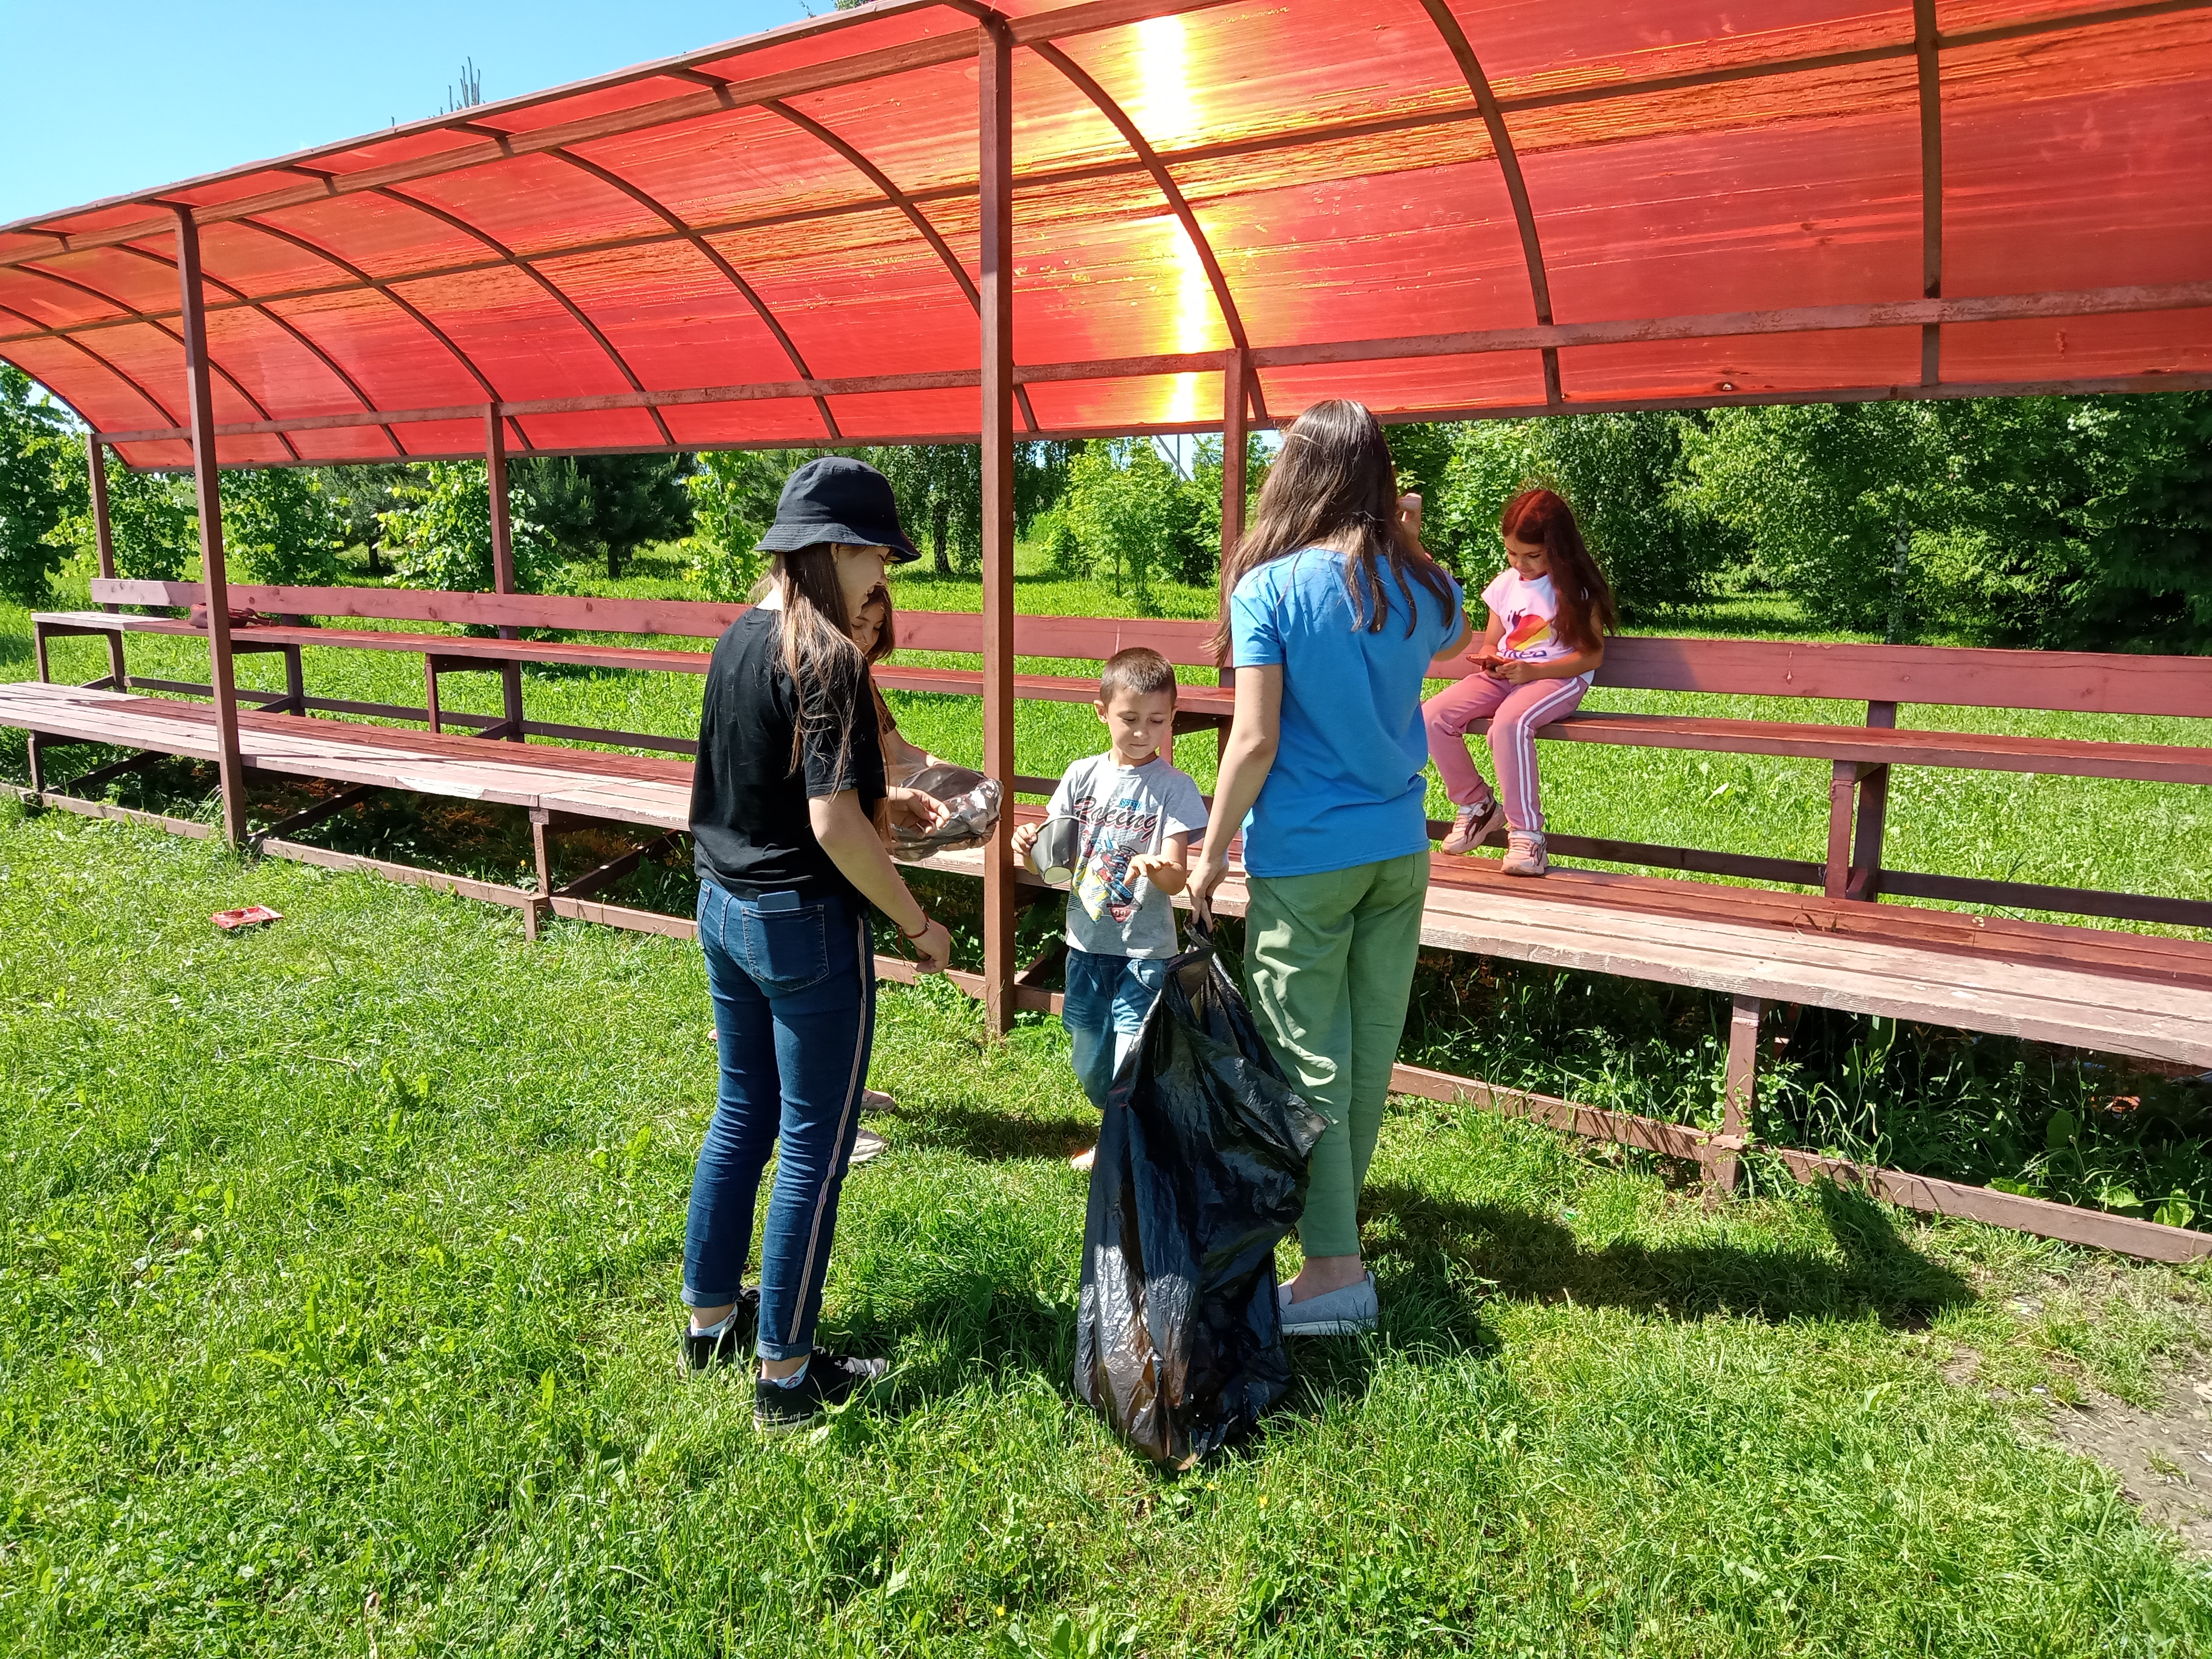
{"points": [[1201, 1170]]}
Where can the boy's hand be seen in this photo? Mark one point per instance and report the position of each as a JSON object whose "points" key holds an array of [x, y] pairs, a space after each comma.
{"points": [[1026, 836], [1164, 872]]}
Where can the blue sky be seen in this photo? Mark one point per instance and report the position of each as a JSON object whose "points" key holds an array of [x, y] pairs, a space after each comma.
{"points": [[124, 95]]}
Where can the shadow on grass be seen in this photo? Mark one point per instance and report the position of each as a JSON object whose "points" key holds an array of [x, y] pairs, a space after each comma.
{"points": [[1529, 1255], [987, 1133]]}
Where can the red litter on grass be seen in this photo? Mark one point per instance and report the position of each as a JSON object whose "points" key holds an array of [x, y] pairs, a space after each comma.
{"points": [[250, 915]]}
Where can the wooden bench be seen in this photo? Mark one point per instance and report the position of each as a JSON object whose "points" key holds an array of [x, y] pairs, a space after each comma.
{"points": [[1837, 947]]}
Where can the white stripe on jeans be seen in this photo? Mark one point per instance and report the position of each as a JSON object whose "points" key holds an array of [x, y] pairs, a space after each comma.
{"points": [[865, 966]]}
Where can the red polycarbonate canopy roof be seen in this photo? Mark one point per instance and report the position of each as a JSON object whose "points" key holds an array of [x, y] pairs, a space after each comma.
{"points": [[1438, 206]]}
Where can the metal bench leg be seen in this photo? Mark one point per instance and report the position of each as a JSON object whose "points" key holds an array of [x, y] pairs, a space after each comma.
{"points": [[118, 679], [1865, 882], [296, 684], [536, 914], [39, 649], [1843, 786], [1740, 1093], [510, 688]]}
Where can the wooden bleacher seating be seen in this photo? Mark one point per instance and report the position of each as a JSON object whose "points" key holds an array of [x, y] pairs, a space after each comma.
{"points": [[1836, 946]]}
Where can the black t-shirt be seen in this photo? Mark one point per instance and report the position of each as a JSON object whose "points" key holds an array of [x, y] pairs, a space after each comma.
{"points": [[750, 829]]}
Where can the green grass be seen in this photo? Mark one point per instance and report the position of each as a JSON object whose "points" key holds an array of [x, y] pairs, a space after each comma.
{"points": [[1932, 1101], [336, 1311]]}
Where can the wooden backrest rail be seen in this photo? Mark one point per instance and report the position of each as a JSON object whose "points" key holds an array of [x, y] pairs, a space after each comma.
{"points": [[2079, 681]]}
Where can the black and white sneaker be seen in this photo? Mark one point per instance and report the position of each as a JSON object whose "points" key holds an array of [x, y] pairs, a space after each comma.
{"points": [[830, 1379], [731, 1340]]}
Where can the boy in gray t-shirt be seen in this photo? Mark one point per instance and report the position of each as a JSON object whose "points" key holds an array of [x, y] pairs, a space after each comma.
{"points": [[1136, 816]]}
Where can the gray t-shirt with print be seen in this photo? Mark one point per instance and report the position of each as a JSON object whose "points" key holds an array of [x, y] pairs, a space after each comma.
{"points": [[1125, 812]]}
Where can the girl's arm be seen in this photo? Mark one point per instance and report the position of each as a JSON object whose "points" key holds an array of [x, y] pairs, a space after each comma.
{"points": [[1559, 668], [900, 753], [1254, 733], [1169, 869], [850, 838]]}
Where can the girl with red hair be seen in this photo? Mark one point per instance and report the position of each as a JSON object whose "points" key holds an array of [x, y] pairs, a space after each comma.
{"points": [[1550, 610]]}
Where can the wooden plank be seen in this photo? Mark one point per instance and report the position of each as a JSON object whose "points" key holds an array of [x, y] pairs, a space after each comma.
{"points": [[2085, 681], [100, 809], [2108, 950], [2124, 1234], [624, 917], [1929, 1194], [2031, 895], [1651, 1135], [437, 881], [1923, 986]]}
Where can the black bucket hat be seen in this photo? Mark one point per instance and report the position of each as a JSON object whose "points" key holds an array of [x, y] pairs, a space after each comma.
{"points": [[832, 499]]}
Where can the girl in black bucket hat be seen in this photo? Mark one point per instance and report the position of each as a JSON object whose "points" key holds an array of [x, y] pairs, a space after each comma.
{"points": [[784, 801]]}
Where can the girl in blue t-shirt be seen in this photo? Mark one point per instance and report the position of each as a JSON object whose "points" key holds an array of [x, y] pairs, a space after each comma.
{"points": [[1331, 612]]}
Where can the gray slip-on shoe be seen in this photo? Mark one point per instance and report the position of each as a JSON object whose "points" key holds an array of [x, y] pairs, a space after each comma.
{"points": [[1347, 1312]]}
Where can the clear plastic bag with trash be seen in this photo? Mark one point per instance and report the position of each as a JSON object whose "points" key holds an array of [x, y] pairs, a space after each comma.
{"points": [[971, 802], [1200, 1172]]}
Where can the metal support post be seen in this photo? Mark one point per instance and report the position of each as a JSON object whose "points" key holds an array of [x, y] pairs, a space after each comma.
{"points": [[229, 766], [539, 908], [995, 140], [103, 531], [1235, 396], [1740, 1093], [503, 562]]}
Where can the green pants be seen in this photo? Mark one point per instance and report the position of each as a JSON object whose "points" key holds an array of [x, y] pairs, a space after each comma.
{"points": [[1329, 966]]}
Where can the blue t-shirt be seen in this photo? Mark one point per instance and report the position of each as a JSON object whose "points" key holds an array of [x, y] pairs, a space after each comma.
{"points": [[1347, 786]]}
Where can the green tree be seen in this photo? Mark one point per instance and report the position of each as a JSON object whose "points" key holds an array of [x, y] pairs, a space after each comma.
{"points": [[1829, 498], [278, 527], [2081, 523], [38, 459], [940, 496], [440, 533], [733, 495], [1202, 560], [357, 494], [154, 518], [607, 506], [1660, 542], [1131, 515]]}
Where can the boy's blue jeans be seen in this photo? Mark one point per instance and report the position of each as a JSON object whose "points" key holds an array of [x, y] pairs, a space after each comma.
{"points": [[1104, 1008], [794, 981]]}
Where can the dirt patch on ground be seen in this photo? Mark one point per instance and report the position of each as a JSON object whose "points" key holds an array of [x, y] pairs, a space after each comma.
{"points": [[2163, 1457]]}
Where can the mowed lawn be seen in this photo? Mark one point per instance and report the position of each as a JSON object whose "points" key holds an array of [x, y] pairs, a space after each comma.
{"points": [[338, 1316]]}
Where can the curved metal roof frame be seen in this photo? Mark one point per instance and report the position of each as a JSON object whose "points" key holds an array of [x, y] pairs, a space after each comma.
{"points": [[1632, 169]]}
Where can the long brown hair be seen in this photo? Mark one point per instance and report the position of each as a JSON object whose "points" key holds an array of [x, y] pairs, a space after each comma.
{"points": [[1586, 609], [817, 639], [1333, 475], [886, 642]]}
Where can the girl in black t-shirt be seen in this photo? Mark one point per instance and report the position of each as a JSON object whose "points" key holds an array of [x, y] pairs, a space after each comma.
{"points": [[789, 779]]}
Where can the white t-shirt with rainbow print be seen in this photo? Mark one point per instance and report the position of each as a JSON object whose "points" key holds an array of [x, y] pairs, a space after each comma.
{"points": [[1528, 610]]}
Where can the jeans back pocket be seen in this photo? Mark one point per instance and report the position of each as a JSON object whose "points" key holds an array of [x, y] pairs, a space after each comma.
{"points": [[787, 950]]}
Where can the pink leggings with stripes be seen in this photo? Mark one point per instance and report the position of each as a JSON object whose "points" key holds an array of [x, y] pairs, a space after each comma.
{"points": [[1515, 714]]}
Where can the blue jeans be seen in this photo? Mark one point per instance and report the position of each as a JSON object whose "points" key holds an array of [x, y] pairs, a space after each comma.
{"points": [[794, 981], [1103, 1009]]}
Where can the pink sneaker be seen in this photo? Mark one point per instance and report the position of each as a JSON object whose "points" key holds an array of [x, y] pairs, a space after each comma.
{"points": [[1473, 824], [1524, 854]]}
